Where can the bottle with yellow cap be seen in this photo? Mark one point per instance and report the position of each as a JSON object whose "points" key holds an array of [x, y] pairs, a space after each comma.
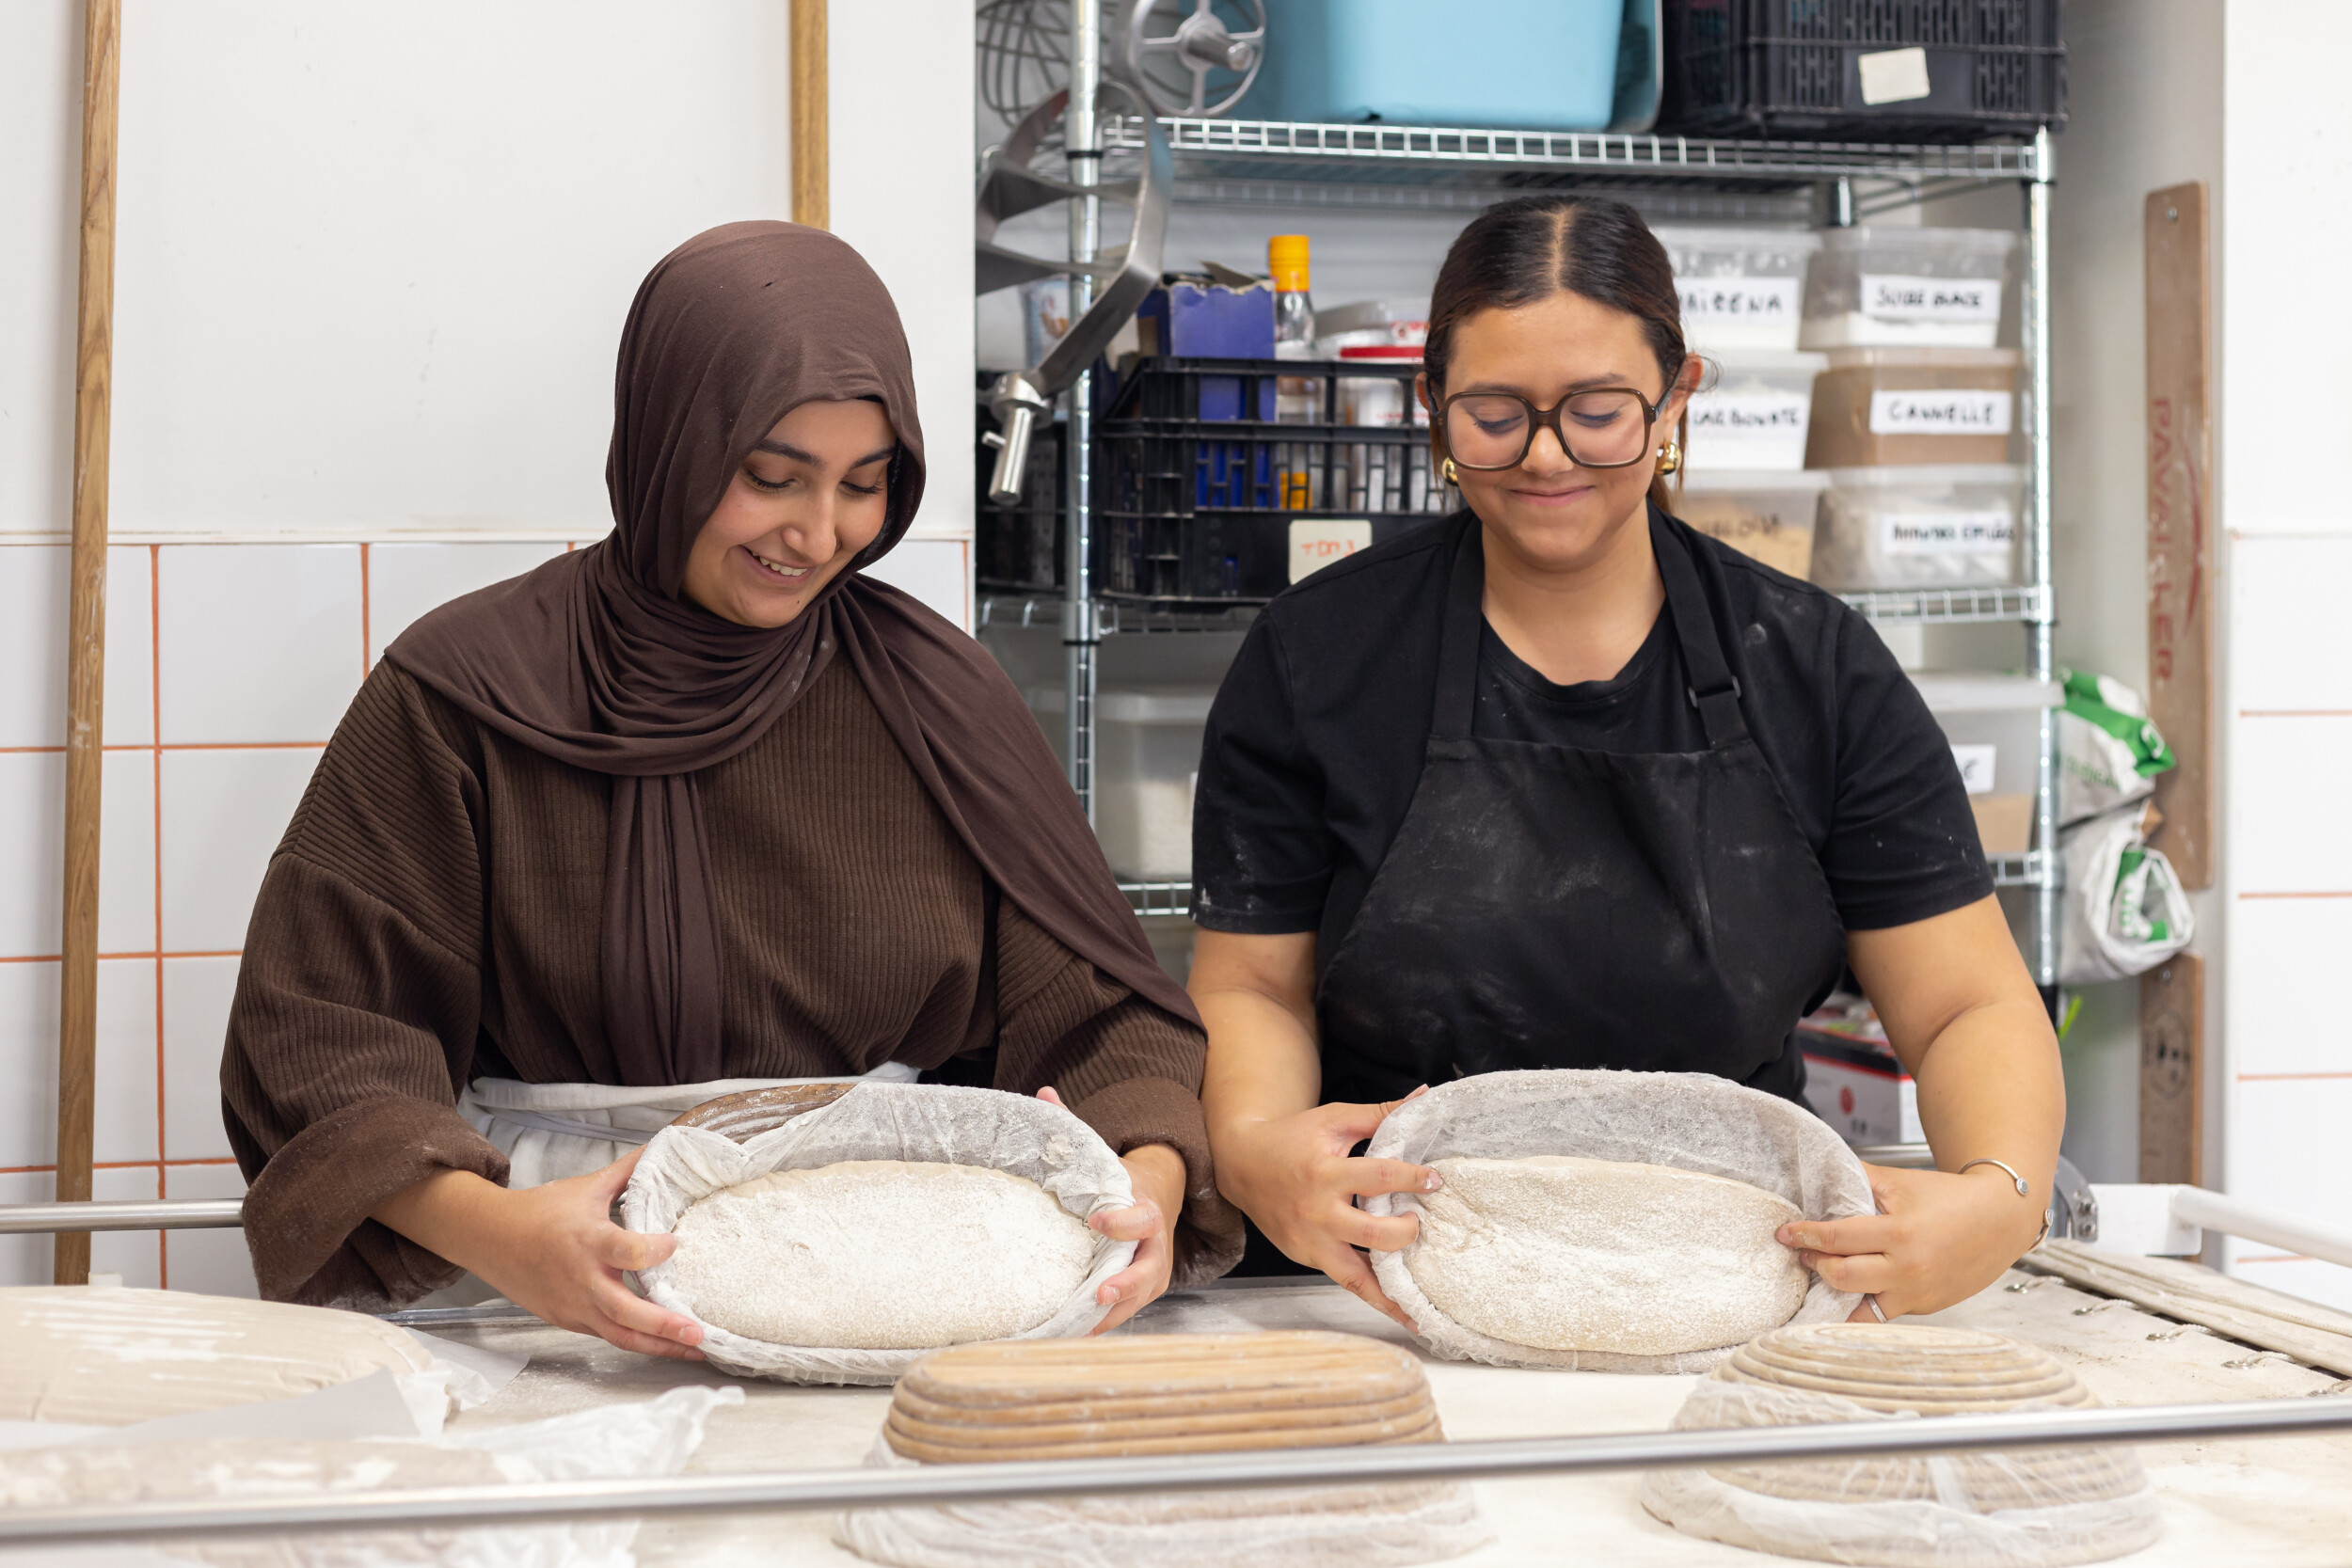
{"points": [[1294, 316], [1294, 397]]}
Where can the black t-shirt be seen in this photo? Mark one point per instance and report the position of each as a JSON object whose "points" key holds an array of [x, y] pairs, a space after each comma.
{"points": [[1315, 742]]}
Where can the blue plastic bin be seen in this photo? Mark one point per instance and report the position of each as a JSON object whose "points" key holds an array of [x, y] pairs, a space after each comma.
{"points": [[1537, 65]]}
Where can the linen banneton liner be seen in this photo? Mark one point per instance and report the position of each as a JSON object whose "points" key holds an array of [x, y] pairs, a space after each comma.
{"points": [[596, 660], [2009, 1508], [1693, 1120], [882, 1122]]}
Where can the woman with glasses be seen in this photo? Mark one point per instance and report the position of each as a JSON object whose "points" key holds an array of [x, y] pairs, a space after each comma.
{"points": [[1559, 783]]}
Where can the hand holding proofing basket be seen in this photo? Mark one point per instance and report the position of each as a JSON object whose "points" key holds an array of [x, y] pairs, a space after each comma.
{"points": [[1693, 1120], [878, 1121]]}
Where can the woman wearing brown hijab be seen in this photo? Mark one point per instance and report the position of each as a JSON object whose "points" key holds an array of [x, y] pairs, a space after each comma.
{"points": [[697, 808]]}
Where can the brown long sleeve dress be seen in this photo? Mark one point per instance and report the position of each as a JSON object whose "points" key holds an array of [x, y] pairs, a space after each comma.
{"points": [[431, 917]]}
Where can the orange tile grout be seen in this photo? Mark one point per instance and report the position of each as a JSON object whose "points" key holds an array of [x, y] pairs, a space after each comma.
{"points": [[178, 746], [2287, 1077], [2295, 713], [365, 637], [155, 700], [2346, 894], [121, 958]]}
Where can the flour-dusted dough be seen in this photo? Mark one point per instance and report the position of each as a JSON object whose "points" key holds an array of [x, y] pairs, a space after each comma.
{"points": [[880, 1255], [1567, 1253], [110, 1357]]}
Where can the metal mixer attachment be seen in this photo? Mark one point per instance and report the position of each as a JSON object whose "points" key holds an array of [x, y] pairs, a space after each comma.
{"points": [[1123, 275]]}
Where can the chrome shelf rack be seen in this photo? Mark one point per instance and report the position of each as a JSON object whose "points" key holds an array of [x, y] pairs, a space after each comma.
{"points": [[1255, 162]]}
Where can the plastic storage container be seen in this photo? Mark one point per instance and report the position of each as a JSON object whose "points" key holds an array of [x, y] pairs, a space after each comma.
{"points": [[1147, 758], [1927, 526], [1864, 70], [1755, 415], [1878, 405], [1994, 723], [1876, 287], [1767, 515], [1741, 287], [1532, 64]]}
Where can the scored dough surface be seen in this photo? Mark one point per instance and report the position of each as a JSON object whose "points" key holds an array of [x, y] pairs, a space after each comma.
{"points": [[880, 1255], [1569, 1254]]}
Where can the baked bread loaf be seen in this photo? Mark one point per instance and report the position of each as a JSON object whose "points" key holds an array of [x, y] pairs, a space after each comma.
{"points": [[1569, 1254]]}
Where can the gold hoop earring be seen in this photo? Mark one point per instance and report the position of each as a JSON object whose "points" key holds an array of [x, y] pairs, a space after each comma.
{"points": [[1670, 457], [1452, 475]]}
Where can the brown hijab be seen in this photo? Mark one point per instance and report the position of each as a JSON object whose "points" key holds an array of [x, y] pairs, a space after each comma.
{"points": [[595, 658]]}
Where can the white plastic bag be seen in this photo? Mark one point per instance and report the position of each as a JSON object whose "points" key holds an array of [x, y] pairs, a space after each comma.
{"points": [[357, 1450], [1383, 1526], [1693, 1121], [2126, 910], [953, 1126], [2109, 755], [1987, 1509]]}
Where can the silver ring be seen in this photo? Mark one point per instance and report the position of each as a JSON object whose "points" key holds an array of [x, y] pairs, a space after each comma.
{"points": [[2023, 1190], [1876, 1310]]}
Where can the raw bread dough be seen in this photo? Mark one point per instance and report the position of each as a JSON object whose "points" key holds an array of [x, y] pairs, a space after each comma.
{"points": [[880, 1255], [1569, 1254], [110, 1357]]}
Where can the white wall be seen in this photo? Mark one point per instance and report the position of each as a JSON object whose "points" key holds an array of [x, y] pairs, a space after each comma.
{"points": [[2287, 845], [2145, 111]]}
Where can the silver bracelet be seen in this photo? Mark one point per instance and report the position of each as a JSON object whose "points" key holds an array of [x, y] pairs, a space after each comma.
{"points": [[2023, 1190]]}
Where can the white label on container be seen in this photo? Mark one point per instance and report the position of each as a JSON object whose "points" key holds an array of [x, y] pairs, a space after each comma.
{"points": [[1903, 297], [1737, 301], [1751, 416], [1940, 413], [1894, 75], [1976, 766], [1944, 532], [1317, 541]]}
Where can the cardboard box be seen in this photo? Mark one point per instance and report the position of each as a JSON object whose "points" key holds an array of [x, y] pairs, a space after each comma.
{"points": [[1852, 1079], [1188, 321]]}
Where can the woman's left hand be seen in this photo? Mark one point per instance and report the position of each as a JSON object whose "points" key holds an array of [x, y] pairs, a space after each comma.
{"points": [[1158, 1173], [1938, 1239]]}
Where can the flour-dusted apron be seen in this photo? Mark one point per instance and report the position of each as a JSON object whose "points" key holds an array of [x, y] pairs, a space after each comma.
{"points": [[548, 1131], [1553, 907]]}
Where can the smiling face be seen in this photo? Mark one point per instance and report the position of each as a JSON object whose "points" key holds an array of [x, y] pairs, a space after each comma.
{"points": [[1552, 514], [806, 501]]}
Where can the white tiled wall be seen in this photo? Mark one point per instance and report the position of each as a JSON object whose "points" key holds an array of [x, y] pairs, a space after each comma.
{"points": [[241, 658], [2288, 866]]}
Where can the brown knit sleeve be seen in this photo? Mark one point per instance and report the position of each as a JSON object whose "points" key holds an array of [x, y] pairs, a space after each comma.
{"points": [[1127, 1068], [356, 1010]]}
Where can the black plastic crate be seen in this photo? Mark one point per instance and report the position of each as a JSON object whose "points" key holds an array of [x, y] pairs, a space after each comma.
{"points": [[1020, 545], [1792, 68], [1198, 478]]}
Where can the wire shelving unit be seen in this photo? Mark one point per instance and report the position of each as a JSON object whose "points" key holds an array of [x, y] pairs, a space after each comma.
{"points": [[1248, 162]]}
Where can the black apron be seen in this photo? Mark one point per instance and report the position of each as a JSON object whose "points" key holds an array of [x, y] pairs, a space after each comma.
{"points": [[1552, 907]]}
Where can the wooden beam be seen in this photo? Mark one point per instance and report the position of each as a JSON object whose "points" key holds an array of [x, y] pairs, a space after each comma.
{"points": [[86, 629], [812, 166], [2181, 522], [2172, 1071]]}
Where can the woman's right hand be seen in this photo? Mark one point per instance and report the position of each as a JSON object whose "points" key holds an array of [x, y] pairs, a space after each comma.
{"points": [[1294, 1177], [552, 1250]]}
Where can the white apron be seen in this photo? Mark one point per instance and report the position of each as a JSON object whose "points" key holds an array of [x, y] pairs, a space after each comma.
{"points": [[548, 1131]]}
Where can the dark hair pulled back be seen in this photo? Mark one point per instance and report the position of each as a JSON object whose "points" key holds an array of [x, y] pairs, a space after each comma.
{"points": [[1528, 249]]}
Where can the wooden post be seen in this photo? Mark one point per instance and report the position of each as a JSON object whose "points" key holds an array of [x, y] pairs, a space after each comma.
{"points": [[2181, 522], [811, 168], [86, 630], [2172, 1071]]}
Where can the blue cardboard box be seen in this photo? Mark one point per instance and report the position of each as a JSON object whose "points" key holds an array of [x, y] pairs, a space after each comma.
{"points": [[1186, 321]]}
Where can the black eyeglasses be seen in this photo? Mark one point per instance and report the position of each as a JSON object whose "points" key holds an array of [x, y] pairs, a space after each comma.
{"points": [[1606, 427]]}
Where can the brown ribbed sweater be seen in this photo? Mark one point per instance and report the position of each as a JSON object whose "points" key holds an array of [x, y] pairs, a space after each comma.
{"points": [[431, 917]]}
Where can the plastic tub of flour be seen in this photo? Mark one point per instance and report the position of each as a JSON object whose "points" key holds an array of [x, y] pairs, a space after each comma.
{"points": [[1766, 515], [1993, 725], [1921, 527], [1755, 415], [1907, 288], [1147, 758], [1741, 287]]}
